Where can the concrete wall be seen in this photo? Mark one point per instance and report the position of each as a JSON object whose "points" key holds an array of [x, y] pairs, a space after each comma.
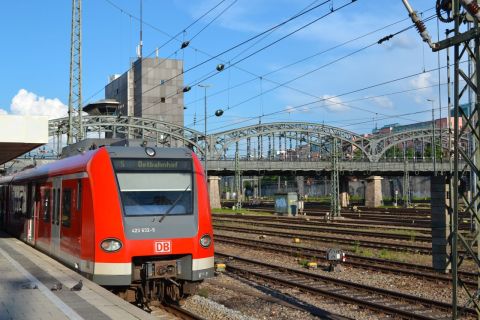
{"points": [[419, 187], [140, 93]]}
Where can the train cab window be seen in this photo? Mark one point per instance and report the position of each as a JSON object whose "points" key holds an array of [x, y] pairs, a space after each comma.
{"points": [[46, 205], [66, 207], [155, 193]]}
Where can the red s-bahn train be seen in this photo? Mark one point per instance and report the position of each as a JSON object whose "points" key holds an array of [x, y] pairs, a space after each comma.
{"points": [[134, 219]]}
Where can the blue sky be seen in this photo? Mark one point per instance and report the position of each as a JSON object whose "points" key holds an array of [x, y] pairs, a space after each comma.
{"points": [[36, 55]]}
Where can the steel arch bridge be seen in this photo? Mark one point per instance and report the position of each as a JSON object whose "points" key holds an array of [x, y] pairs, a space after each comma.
{"points": [[266, 141]]}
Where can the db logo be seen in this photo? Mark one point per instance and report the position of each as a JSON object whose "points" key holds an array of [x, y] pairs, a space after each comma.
{"points": [[163, 246]]}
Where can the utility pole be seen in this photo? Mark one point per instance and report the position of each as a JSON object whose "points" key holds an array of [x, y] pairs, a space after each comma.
{"points": [[238, 183], [406, 184], [464, 13], [75, 94], [335, 187]]}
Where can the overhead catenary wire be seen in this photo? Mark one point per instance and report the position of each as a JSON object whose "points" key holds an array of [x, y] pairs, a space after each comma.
{"points": [[251, 54], [264, 76], [238, 45], [171, 38], [346, 93], [346, 103], [285, 83]]}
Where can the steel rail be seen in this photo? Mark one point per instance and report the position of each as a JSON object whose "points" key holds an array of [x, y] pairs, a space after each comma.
{"points": [[374, 298], [375, 264]]}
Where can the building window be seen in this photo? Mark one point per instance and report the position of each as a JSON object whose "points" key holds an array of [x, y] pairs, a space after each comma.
{"points": [[162, 99]]}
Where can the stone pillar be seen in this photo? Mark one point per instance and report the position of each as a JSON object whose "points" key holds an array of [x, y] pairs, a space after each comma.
{"points": [[344, 196], [440, 222], [373, 192], [300, 186], [214, 192]]}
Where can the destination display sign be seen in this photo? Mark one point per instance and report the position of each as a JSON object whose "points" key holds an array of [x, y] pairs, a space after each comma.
{"points": [[152, 164]]}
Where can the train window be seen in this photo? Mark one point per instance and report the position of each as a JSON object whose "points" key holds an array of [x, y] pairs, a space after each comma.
{"points": [[54, 206], [46, 205], [155, 193], [66, 207]]}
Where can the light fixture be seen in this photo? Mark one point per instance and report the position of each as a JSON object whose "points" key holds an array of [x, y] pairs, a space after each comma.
{"points": [[186, 89], [219, 112], [220, 67], [150, 151], [185, 44]]}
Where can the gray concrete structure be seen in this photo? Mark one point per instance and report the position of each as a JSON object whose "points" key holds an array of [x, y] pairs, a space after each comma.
{"points": [[344, 195], [373, 192], [214, 192], [440, 222], [152, 88]]}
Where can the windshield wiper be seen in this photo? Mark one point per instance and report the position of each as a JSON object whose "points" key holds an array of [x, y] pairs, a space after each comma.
{"points": [[174, 204]]}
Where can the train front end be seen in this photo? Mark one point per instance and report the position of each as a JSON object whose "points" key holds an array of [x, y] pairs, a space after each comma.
{"points": [[166, 246]]}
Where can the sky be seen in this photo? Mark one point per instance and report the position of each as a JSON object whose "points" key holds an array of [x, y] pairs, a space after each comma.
{"points": [[347, 82]]}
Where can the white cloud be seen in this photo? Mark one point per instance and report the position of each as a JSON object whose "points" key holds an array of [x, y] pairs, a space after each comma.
{"points": [[292, 109], [422, 81], [383, 102], [334, 103], [28, 103], [2, 112]]}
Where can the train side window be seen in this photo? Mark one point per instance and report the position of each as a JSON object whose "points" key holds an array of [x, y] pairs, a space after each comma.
{"points": [[53, 207], [66, 207], [79, 195], [57, 206], [46, 205]]}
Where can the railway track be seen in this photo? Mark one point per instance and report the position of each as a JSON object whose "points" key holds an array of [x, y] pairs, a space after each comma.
{"points": [[351, 242], [314, 221], [175, 311], [379, 300], [375, 264], [379, 216], [329, 228]]}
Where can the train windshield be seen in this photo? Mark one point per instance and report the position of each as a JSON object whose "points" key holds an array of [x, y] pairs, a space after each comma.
{"points": [[156, 193]]}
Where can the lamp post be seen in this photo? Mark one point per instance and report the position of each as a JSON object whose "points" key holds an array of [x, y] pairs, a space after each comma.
{"points": [[433, 139], [218, 113], [205, 86]]}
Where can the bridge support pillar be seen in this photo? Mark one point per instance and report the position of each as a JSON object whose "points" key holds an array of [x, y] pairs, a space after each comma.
{"points": [[439, 187], [344, 195], [301, 186], [373, 192], [214, 192]]}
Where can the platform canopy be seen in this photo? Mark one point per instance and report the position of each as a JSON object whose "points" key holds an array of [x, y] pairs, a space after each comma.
{"points": [[21, 134]]}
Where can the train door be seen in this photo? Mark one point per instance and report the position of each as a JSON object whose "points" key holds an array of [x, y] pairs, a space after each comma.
{"points": [[31, 211], [55, 240], [44, 221]]}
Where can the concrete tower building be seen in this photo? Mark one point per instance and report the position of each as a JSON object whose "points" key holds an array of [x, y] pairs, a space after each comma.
{"points": [[144, 91]]}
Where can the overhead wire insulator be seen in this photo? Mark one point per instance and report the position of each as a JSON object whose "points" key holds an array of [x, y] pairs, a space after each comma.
{"points": [[422, 30], [472, 7]]}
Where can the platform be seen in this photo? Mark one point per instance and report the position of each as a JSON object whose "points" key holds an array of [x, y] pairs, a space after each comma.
{"points": [[26, 279]]}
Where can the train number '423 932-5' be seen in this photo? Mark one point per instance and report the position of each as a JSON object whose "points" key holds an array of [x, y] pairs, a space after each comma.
{"points": [[143, 229]]}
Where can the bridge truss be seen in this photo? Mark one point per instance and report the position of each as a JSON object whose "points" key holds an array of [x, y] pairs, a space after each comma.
{"points": [[278, 141]]}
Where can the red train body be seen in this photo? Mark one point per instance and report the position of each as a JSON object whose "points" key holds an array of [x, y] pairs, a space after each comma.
{"points": [[127, 217]]}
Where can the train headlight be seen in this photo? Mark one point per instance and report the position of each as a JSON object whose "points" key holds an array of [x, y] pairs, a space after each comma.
{"points": [[205, 241], [111, 245]]}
